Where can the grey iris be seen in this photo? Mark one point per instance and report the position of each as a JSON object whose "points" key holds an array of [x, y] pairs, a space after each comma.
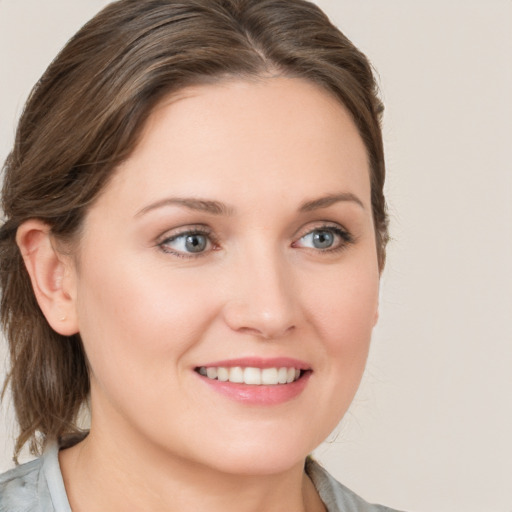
{"points": [[323, 239], [195, 243]]}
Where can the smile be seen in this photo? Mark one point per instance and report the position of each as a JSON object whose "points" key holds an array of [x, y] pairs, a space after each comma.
{"points": [[250, 375]]}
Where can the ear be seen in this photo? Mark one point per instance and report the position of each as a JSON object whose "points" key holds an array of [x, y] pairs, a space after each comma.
{"points": [[376, 317], [52, 274], [377, 309]]}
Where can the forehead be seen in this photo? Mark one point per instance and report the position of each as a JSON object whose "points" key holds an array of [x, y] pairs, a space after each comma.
{"points": [[252, 137]]}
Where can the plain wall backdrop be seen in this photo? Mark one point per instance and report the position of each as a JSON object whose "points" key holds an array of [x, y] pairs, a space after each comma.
{"points": [[431, 427]]}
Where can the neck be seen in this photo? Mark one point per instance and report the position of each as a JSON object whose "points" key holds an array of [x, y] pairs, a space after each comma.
{"points": [[109, 474]]}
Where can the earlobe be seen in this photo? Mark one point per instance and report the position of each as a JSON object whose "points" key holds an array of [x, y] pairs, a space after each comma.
{"points": [[52, 276]]}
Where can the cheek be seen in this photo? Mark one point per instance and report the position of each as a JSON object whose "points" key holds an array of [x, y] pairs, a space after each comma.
{"points": [[342, 305], [135, 323], [346, 307]]}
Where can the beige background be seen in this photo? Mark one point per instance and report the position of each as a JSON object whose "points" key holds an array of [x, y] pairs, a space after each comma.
{"points": [[431, 429]]}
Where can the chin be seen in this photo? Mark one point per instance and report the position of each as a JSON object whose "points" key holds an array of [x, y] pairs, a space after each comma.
{"points": [[259, 457], [264, 463]]}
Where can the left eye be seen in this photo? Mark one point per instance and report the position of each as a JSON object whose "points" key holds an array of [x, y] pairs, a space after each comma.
{"points": [[324, 239], [187, 243]]}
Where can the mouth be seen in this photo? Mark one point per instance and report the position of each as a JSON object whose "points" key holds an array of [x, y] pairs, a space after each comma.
{"points": [[252, 376], [254, 381]]}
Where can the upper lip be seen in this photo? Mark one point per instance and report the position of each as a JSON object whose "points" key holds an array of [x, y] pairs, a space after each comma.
{"points": [[259, 362]]}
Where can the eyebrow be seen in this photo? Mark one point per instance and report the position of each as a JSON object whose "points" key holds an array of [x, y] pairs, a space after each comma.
{"points": [[329, 200], [218, 208], [202, 205]]}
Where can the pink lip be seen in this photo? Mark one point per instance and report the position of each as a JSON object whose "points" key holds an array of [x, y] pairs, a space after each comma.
{"points": [[262, 395]]}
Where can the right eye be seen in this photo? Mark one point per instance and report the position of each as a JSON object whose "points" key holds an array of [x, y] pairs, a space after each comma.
{"points": [[187, 243]]}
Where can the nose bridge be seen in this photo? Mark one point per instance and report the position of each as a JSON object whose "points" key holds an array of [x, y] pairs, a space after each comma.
{"points": [[262, 301]]}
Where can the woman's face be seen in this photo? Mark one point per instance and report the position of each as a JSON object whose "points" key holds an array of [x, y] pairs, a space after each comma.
{"points": [[235, 243]]}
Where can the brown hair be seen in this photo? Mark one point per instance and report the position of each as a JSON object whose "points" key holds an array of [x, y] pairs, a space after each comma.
{"points": [[83, 118]]}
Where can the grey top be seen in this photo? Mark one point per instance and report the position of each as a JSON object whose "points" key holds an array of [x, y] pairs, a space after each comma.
{"points": [[37, 486]]}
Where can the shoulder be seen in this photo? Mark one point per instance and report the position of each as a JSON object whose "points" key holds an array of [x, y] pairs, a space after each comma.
{"points": [[335, 495], [19, 488], [36, 486]]}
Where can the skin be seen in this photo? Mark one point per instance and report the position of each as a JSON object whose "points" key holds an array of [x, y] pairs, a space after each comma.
{"points": [[149, 312]]}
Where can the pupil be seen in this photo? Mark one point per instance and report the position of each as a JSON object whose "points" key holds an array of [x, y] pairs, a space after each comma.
{"points": [[323, 239], [195, 243]]}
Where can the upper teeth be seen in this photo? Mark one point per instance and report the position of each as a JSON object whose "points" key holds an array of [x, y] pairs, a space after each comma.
{"points": [[250, 375]]}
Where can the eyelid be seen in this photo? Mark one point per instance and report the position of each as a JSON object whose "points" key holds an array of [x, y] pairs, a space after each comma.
{"points": [[320, 225], [180, 230]]}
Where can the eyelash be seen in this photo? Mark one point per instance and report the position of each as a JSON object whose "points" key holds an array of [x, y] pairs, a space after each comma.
{"points": [[345, 239]]}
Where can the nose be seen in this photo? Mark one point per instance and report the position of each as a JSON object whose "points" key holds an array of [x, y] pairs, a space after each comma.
{"points": [[262, 301]]}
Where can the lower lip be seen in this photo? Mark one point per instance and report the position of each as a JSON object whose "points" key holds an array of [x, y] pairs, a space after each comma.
{"points": [[262, 394]]}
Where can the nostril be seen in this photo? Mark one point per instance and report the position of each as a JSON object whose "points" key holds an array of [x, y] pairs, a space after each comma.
{"points": [[266, 333], [255, 318]]}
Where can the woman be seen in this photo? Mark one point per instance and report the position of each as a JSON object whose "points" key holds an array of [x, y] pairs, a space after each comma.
{"points": [[195, 230]]}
